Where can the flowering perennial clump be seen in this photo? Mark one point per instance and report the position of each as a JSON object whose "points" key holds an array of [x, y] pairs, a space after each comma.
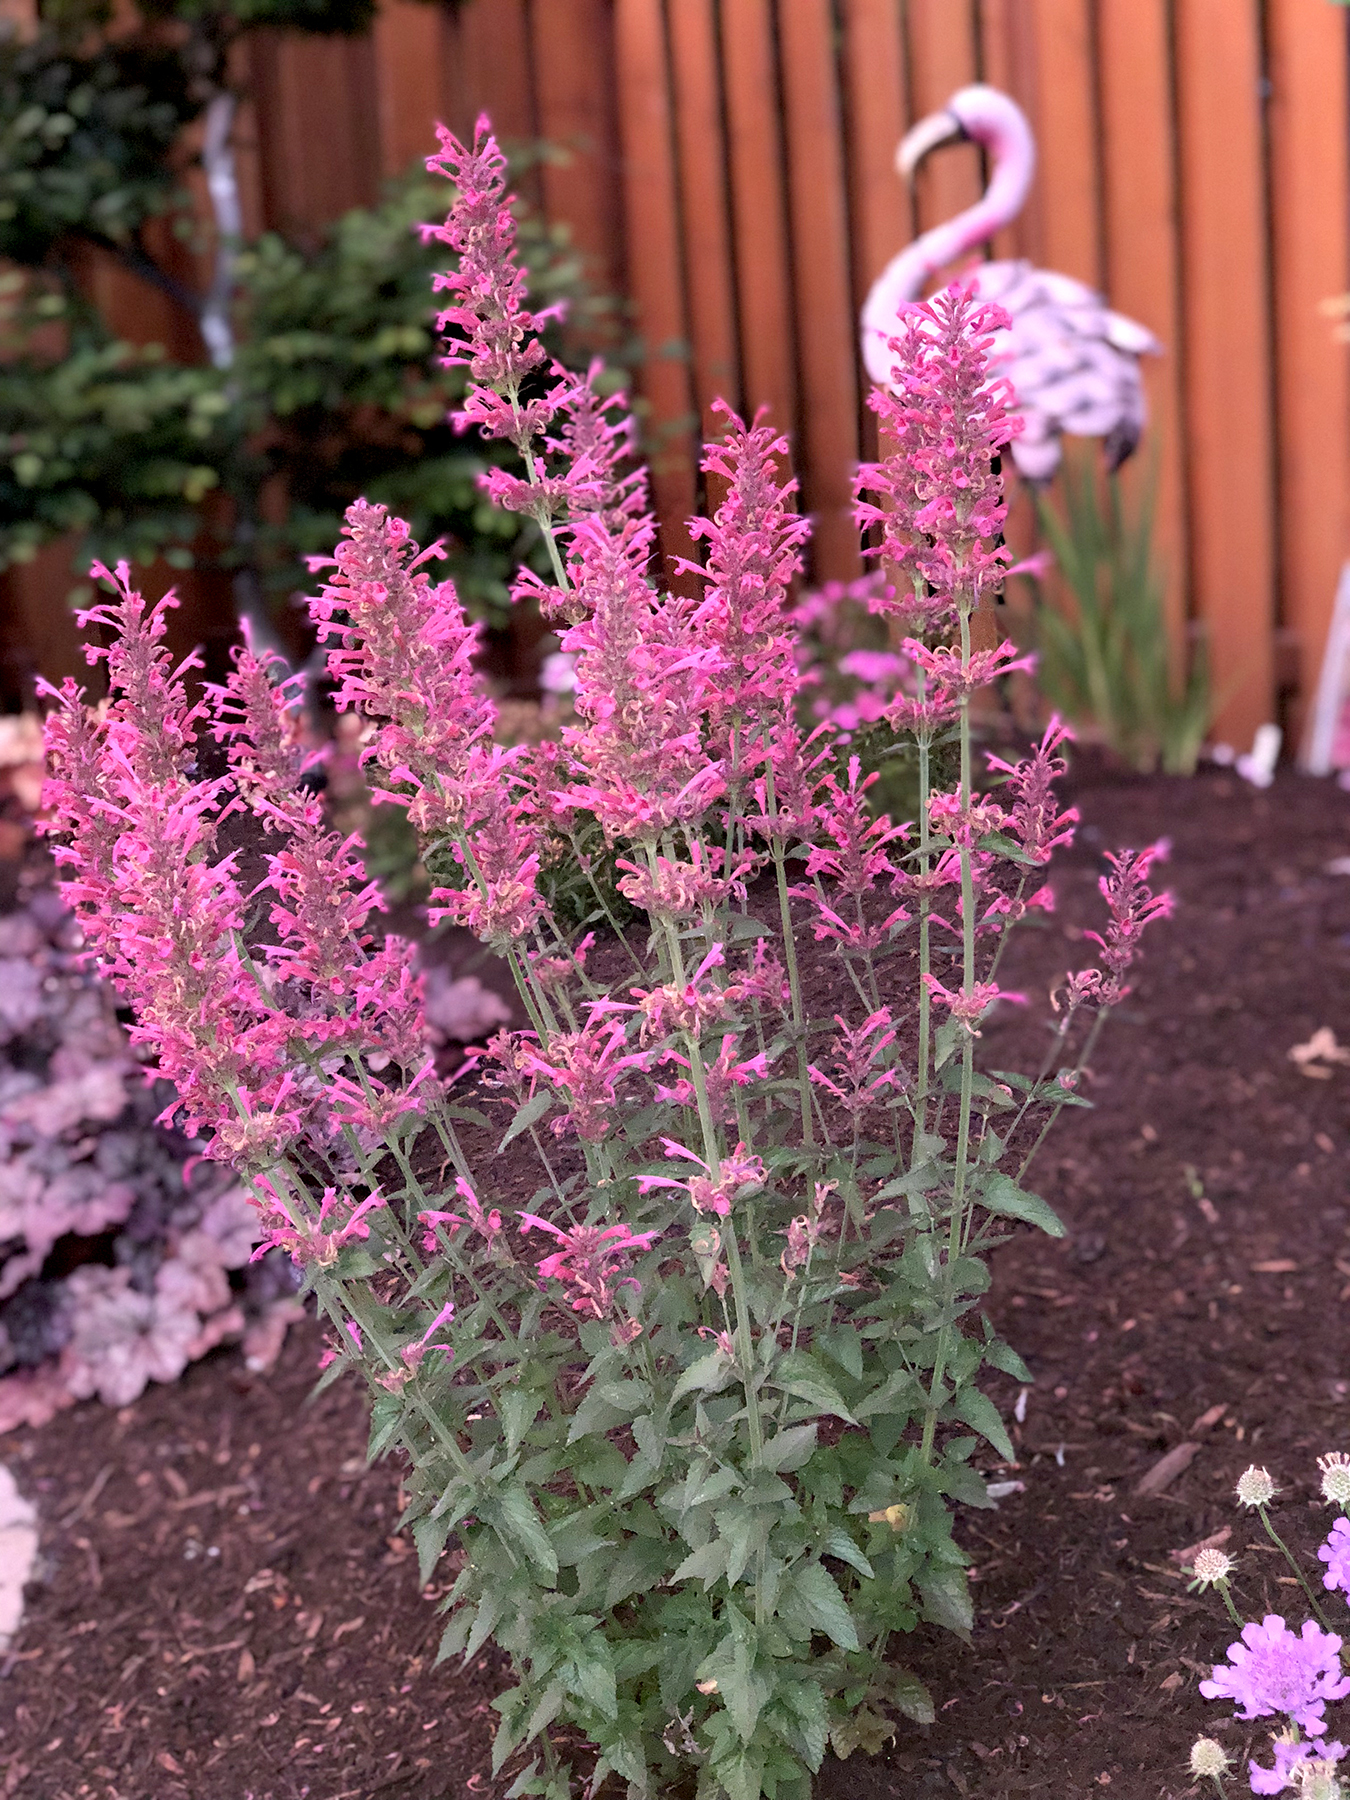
{"points": [[671, 1304], [1274, 1670]]}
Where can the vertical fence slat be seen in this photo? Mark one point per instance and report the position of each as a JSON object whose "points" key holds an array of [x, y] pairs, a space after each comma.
{"points": [[763, 281], [829, 432], [408, 56], [1226, 370], [701, 146], [574, 80], [655, 279], [1142, 273], [1061, 213], [1008, 61], [941, 39], [882, 212], [320, 128], [1309, 206], [488, 69]]}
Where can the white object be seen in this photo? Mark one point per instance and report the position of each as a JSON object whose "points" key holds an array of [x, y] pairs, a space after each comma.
{"points": [[18, 1552], [1072, 362], [1258, 766], [1333, 685]]}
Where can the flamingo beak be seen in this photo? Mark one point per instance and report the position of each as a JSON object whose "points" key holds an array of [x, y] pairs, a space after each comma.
{"points": [[938, 128]]}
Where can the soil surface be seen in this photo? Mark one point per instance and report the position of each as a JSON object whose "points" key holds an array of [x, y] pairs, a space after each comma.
{"points": [[223, 1610]]}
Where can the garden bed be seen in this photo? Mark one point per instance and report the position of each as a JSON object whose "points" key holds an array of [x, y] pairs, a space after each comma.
{"points": [[224, 1611]]}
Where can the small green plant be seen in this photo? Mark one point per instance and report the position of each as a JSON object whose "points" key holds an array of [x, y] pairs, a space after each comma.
{"points": [[1107, 664]]}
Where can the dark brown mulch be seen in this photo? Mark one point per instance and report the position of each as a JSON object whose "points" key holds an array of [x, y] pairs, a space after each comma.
{"points": [[224, 1612]]}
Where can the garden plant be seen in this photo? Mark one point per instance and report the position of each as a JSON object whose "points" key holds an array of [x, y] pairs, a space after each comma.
{"points": [[673, 1305], [1275, 1671]]}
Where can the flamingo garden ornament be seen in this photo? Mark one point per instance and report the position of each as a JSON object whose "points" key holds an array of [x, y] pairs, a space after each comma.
{"points": [[1072, 362]]}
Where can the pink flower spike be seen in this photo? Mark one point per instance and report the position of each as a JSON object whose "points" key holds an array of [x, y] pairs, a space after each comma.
{"points": [[589, 1260], [969, 1009]]}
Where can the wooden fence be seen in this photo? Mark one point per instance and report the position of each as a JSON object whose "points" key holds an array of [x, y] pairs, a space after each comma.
{"points": [[729, 167]]}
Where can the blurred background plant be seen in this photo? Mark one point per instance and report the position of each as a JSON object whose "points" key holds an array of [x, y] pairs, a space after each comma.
{"points": [[1105, 659], [314, 376]]}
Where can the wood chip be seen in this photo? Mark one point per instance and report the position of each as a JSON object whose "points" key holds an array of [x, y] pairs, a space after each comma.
{"points": [[1215, 1541], [247, 1667], [1165, 1470], [1281, 1265], [1209, 1418]]}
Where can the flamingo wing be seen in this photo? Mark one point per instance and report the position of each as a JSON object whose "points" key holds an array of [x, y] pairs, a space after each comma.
{"points": [[1072, 362]]}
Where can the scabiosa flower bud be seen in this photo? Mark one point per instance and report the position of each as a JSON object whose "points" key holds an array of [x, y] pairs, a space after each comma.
{"points": [[1208, 1758], [1256, 1487], [1211, 1568], [1335, 1467]]}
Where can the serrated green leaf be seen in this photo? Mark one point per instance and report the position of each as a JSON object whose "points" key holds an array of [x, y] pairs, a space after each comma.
{"points": [[839, 1543], [801, 1375], [709, 1375], [529, 1114], [789, 1449], [1000, 1194], [863, 1730], [978, 1411], [1002, 1356], [429, 1535], [811, 1598], [517, 1408], [595, 1677], [946, 1598], [906, 1693], [513, 1510], [706, 1565]]}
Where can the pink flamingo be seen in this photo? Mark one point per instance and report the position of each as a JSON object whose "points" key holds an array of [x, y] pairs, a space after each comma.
{"points": [[1072, 362]]}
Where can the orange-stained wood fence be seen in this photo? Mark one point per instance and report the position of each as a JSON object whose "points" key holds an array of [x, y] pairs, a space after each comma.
{"points": [[730, 168]]}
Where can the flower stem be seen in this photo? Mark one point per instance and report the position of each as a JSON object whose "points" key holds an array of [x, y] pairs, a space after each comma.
{"points": [[1288, 1556]]}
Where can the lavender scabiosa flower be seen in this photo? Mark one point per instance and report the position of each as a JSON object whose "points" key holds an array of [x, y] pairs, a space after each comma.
{"points": [[1301, 1765], [1273, 1670], [1335, 1553]]}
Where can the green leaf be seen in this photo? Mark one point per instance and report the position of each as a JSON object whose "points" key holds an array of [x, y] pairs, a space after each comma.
{"points": [[706, 1565], [799, 1374], [863, 1730], [429, 1535], [905, 1692], [529, 1114], [789, 1449], [595, 1678], [978, 1411], [517, 1408], [946, 1598], [839, 1543], [709, 1375], [811, 1598], [515, 1515], [1000, 1194], [1002, 1356]]}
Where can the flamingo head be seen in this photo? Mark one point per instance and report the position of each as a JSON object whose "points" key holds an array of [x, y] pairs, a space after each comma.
{"points": [[984, 116]]}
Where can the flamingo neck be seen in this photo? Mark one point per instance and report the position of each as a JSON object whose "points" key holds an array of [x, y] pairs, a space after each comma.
{"points": [[906, 275]]}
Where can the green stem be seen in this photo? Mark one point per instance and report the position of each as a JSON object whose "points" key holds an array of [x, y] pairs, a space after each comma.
{"points": [[1303, 1581]]}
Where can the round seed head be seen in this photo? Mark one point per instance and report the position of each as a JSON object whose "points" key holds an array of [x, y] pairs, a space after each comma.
{"points": [[1211, 1567], [1208, 1758], [1335, 1467], [1315, 1778], [1256, 1487]]}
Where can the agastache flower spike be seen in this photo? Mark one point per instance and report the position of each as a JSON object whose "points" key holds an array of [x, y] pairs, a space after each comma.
{"points": [[589, 1260]]}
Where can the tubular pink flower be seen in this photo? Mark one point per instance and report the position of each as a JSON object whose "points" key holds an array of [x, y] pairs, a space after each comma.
{"points": [[712, 1191], [720, 1078], [585, 1066], [589, 1260], [405, 658], [864, 1081], [944, 420], [969, 1009], [317, 1240], [686, 889], [1036, 820], [754, 544], [1133, 905], [641, 676]]}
